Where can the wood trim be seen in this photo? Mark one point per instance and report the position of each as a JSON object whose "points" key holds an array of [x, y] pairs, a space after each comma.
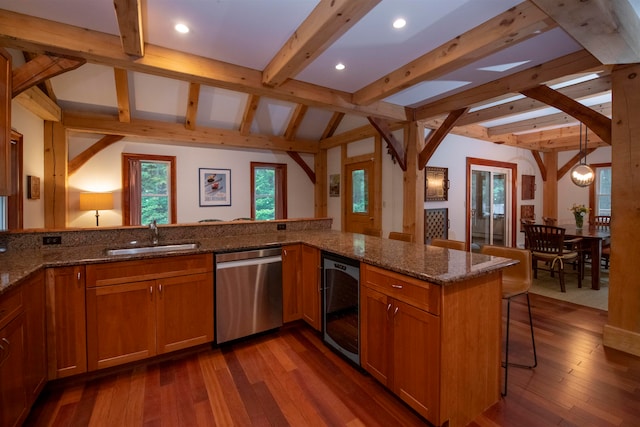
{"points": [[280, 190], [15, 200], [514, 194], [41, 68], [592, 188], [37, 102], [131, 186], [540, 163], [55, 175], [321, 191], [384, 129], [298, 159], [434, 139], [130, 23], [122, 94]]}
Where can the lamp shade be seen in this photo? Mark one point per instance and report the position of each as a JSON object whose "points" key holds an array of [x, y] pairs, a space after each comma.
{"points": [[96, 201]]}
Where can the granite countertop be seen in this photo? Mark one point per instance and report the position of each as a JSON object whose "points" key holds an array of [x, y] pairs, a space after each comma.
{"points": [[436, 265]]}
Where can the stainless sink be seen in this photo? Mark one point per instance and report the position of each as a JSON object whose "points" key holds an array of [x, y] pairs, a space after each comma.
{"points": [[152, 249]]}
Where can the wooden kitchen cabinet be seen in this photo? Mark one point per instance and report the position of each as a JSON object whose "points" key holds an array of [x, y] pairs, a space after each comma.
{"points": [[5, 122], [311, 286], [162, 304], [399, 345], [66, 321], [35, 357], [415, 340], [291, 283], [13, 398]]}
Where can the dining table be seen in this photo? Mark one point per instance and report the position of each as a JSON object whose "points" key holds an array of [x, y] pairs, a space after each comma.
{"points": [[593, 239]]}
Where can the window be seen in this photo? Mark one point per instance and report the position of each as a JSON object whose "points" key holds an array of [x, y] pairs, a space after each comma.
{"points": [[148, 189], [268, 191], [602, 187]]}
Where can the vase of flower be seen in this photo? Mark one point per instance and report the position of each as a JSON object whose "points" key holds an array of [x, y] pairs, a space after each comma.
{"points": [[579, 212]]}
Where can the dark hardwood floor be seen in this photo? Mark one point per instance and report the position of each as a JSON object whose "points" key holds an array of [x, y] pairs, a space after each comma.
{"points": [[291, 378]]}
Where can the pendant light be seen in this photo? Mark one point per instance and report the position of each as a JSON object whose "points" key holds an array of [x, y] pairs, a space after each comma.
{"points": [[582, 175]]}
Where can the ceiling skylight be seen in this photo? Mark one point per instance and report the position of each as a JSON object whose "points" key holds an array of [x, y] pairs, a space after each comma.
{"points": [[503, 67]]}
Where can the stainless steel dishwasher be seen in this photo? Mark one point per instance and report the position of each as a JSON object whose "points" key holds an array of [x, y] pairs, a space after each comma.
{"points": [[248, 293]]}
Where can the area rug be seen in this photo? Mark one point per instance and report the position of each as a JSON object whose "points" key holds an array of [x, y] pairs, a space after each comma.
{"points": [[550, 287]]}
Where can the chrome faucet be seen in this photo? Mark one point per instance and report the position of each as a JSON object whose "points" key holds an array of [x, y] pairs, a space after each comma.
{"points": [[154, 232]]}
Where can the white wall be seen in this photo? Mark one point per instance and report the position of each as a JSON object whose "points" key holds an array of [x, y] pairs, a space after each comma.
{"points": [[32, 129], [103, 173]]}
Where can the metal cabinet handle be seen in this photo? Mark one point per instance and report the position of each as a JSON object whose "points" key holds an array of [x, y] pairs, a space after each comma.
{"points": [[160, 288], [397, 286], [150, 290], [395, 312], [388, 308], [78, 276]]}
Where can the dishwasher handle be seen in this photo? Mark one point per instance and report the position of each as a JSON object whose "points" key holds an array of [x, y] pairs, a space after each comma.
{"points": [[248, 262]]}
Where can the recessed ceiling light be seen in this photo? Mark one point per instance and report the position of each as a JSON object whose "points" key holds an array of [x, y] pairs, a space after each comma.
{"points": [[340, 66], [181, 28], [399, 23]]}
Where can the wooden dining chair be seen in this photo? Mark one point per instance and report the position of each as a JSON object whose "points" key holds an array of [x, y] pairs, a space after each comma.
{"points": [[516, 281], [369, 231], [603, 222], [405, 237], [446, 243], [547, 243]]}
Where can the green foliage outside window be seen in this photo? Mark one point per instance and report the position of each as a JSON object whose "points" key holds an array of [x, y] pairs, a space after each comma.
{"points": [[265, 193], [155, 192], [360, 194]]}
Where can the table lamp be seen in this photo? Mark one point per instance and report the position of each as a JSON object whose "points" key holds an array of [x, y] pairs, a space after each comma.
{"points": [[96, 201]]}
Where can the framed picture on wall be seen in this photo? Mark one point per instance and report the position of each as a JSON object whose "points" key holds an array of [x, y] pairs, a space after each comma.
{"points": [[334, 185], [436, 184], [215, 187]]}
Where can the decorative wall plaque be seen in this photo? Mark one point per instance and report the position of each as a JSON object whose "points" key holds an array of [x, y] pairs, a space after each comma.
{"points": [[33, 187], [436, 184]]}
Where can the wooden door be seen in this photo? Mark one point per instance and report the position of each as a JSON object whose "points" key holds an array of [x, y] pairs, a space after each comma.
{"points": [[375, 308], [360, 198], [291, 283], [35, 357], [13, 400], [184, 311], [121, 323], [66, 321], [311, 286], [416, 360]]}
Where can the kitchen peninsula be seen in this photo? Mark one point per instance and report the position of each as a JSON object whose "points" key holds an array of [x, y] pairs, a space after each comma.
{"points": [[445, 363]]}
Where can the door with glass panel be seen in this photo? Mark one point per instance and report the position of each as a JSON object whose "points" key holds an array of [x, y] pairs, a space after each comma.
{"points": [[490, 206], [359, 201]]}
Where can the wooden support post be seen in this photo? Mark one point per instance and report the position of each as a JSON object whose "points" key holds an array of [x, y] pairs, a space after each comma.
{"points": [[550, 186], [55, 175], [623, 328], [413, 183], [321, 186]]}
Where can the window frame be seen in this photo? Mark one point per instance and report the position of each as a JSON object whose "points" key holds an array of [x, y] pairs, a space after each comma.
{"points": [[280, 190], [132, 190], [593, 191]]}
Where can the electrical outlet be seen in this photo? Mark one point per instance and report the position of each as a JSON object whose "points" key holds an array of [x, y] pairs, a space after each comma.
{"points": [[52, 240], [282, 226]]}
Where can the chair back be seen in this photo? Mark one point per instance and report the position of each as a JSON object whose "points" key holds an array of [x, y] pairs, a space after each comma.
{"points": [[545, 239], [549, 221], [517, 278], [405, 237], [446, 243], [369, 231], [602, 221]]}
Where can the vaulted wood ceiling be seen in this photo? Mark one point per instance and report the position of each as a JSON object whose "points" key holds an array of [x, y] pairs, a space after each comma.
{"points": [[606, 30]]}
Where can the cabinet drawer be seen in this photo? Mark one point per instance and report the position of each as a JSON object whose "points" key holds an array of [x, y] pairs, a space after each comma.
{"points": [[112, 273], [10, 306], [417, 293]]}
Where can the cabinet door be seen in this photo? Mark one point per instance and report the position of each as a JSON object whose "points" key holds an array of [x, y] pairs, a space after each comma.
{"points": [[66, 322], [13, 400], [184, 311], [291, 283], [121, 323], [5, 123], [311, 286], [416, 359], [375, 314], [35, 357]]}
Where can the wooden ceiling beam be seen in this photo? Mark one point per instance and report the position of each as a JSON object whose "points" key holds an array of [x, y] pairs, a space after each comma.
{"points": [[598, 123], [177, 134], [192, 106], [577, 91], [608, 29], [505, 30], [329, 20], [541, 166], [39, 69], [573, 161], [82, 158], [569, 64], [130, 23], [332, 126], [558, 139], [305, 167], [249, 113], [396, 147], [436, 137], [36, 101], [558, 119], [39, 35], [122, 94], [294, 124]]}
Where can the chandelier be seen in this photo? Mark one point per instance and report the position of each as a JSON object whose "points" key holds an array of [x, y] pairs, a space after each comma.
{"points": [[582, 174]]}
